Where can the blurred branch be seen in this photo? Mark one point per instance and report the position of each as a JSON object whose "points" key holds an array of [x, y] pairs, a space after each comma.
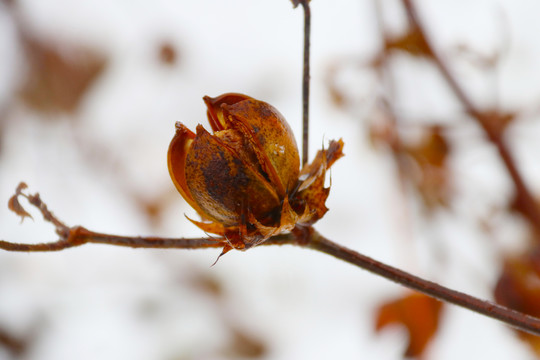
{"points": [[14, 345], [302, 236], [524, 199]]}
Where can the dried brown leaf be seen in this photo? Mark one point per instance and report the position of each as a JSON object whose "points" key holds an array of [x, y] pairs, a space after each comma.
{"points": [[14, 345], [429, 172], [245, 345], [312, 190], [412, 42], [432, 150], [418, 313], [59, 75], [168, 55], [518, 288], [497, 121], [14, 204]]}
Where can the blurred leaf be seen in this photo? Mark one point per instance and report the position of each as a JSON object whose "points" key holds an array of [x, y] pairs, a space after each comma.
{"points": [[422, 163], [58, 75], [384, 132], [153, 207], [342, 79], [418, 313], [432, 150], [244, 345], [14, 345], [518, 288], [429, 174], [497, 121], [167, 54], [412, 42], [206, 283], [337, 95]]}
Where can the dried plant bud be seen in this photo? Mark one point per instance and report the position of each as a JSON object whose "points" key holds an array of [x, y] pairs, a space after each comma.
{"points": [[244, 178]]}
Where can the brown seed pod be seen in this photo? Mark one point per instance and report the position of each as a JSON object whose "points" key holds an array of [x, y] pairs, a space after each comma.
{"points": [[244, 179]]}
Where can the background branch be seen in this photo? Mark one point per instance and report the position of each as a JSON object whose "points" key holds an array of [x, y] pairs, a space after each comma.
{"points": [[524, 199]]}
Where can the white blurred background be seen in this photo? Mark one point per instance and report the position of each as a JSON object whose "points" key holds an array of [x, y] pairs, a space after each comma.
{"points": [[100, 161]]}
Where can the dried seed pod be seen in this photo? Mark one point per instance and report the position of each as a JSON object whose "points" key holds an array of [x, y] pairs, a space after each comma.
{"points": [[244, 179]]}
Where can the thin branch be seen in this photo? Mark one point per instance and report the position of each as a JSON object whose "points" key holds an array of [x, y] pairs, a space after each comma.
{"points": [[69, 237], [524, 198], [511, 317], [77, 235], [302, 236], [305, 82], [14, 345]]}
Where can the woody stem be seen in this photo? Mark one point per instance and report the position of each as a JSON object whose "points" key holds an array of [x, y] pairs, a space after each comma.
{"points": [[301, 236], [78, 235], [305, 82], [511, 317]]}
